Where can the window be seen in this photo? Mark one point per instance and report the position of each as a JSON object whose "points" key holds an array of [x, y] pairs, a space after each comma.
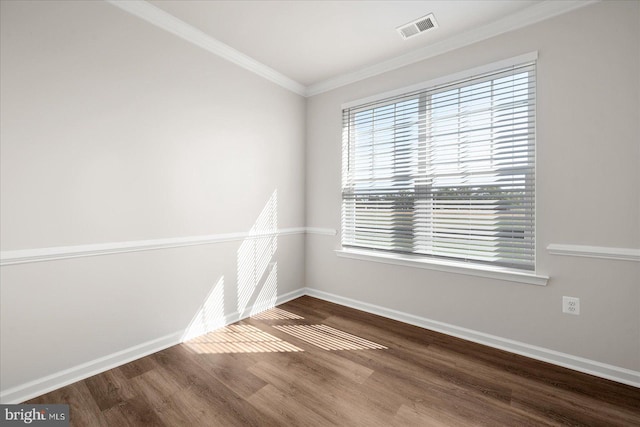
{"points": [[445, 172]]}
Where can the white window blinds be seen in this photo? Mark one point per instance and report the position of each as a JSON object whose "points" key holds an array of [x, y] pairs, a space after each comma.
{"points": [[445, 172]]}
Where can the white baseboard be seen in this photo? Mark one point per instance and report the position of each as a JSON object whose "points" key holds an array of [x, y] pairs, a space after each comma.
{"points": [[54, 381], [80, 372], [592, 367]]}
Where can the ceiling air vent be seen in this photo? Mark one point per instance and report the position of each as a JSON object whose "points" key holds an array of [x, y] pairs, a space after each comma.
{"points": [[418, 26]]}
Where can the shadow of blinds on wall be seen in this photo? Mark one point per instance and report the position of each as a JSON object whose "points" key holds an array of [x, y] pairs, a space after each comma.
{"points": [[445, 172]]}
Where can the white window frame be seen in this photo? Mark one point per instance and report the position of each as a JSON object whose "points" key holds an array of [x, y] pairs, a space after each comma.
{"points": [[446, 265]]}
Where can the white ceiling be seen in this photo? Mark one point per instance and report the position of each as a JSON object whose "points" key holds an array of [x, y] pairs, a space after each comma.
{"points": [[312, 46]]}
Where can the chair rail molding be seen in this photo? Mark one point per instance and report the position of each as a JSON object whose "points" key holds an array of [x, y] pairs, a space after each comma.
{"points": [[322, 231], [621, 254], [24, 256]]}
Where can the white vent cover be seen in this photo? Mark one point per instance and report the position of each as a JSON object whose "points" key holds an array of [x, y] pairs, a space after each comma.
{"points": [[418, 26]]}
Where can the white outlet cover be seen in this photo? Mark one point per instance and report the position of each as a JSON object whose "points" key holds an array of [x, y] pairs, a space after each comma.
{"points": [[571, 305]]}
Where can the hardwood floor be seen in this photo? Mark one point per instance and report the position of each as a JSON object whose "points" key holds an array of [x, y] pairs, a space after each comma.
{"points": [[313, 363]]}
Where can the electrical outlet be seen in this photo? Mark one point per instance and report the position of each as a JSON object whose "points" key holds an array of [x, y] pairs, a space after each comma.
{"points": [[571, 305]]}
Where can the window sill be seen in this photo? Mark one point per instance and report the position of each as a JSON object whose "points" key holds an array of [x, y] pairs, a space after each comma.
{"points": [[498, 273]]}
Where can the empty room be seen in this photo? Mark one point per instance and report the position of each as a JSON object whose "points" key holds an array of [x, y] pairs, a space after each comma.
{"points": [[320, 213]]}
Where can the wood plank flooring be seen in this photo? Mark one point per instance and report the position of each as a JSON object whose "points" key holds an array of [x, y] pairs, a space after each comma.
{"points": [[314, 363]]}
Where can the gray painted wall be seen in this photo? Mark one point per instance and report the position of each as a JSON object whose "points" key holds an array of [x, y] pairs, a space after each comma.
{"points": [[588, 188], [114, 130]]}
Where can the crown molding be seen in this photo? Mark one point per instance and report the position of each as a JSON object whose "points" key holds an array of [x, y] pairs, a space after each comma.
{"points": [[158, 17], [539, 12], [170, 23]]}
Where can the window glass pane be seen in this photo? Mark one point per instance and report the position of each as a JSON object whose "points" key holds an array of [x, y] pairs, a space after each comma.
{"points": [[445, 172]]}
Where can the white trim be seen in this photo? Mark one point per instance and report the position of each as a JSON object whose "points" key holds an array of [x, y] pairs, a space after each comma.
{"points": [[71, 375], [529, 16], [65, 252], [623, 254], [457, 267], [51, 382], [170, 23], [592, 367], [433, 83], [322, 231]]}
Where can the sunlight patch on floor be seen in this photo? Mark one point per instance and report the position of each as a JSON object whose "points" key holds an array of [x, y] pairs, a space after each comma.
{"points": [[239, 339], [276, 314], [328, 338]]}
